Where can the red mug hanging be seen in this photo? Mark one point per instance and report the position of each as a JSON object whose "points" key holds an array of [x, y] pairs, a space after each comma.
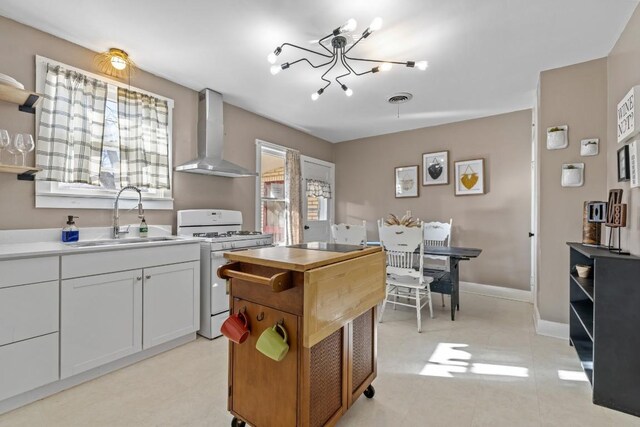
{"points": [[236, 327]]}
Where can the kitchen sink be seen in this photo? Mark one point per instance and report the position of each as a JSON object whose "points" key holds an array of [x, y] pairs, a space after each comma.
{"points": [[112, 242]]}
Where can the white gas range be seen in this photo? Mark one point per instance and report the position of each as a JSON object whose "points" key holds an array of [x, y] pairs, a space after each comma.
{"points": [[220, 231]]}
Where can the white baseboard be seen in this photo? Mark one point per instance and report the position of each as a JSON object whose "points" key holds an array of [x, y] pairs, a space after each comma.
{"points": [[548, 328], [496, 291]]}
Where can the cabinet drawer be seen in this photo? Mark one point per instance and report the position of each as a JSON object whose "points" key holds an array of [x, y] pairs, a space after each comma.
{"points": [[28, 311], [29, 270], [28, 364], [93, 263]]}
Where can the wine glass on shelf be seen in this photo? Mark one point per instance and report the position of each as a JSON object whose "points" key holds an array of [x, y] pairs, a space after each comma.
{"points": [[26, 146], [14, 147], [4, 141]]}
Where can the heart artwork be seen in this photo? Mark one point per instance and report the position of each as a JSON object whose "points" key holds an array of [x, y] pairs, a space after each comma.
{"points": [[435, 169], [469, 180]]}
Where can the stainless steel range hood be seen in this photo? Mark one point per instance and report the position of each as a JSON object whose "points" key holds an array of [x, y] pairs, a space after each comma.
{"points": [[211, 141]]}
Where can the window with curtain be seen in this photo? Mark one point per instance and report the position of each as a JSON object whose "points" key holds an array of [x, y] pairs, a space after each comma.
{"points": [[96, 135]]}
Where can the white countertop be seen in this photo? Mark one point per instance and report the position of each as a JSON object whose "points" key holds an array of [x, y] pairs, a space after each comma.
{"points": [[20, 243]]}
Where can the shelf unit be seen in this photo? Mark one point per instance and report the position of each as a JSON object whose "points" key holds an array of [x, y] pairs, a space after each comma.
{"points": [[26, 100], [24, 173], [604, 324]]}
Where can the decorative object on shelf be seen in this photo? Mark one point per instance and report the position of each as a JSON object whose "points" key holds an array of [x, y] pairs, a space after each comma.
{"points": [[115, 62], [337, 45], [589, 147], [597, 212], [407, 220], [557, 137], [5, 140], [469, 175], [23, 144], [616, 218], [634, 163], [10, 81], [591, 230], [628, 124], [406, 181], [584, 271], [435, 168], [623, 164], [572, 175]]}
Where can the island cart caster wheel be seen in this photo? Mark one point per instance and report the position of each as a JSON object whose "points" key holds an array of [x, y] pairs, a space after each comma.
{"points": [[369, 392], [237, 423]]}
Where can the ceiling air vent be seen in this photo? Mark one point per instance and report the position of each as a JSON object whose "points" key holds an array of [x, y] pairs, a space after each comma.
{"points": [[400, 98]]}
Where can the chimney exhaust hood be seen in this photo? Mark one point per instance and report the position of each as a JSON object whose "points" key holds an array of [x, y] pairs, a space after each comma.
{"points": [[211, 141]]}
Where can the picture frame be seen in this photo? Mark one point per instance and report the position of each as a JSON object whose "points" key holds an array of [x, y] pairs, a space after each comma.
{"points": [[469, 177], [435, 168], [623, 164], [406, 181]]}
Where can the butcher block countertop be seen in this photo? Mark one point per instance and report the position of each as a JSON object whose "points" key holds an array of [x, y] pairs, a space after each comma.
{"points": [[297, 259]]}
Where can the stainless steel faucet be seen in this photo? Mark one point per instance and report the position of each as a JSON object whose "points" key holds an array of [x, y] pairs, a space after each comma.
{"points": [[116, 232]]}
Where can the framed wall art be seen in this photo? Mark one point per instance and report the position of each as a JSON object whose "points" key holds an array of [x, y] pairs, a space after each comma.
{"points": [[623, 164], [407, 183], [469, 175], [435, 168]]}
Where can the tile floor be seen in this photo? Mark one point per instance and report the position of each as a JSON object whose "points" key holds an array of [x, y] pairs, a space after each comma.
{"points": [[486, 368]]}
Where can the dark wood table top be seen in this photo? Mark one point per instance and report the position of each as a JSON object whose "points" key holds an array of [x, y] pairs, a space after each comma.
{"points": [[450, 251]]}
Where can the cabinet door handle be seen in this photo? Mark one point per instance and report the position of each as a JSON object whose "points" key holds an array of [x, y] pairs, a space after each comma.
{"points": [[139, 278], [147, 277]]}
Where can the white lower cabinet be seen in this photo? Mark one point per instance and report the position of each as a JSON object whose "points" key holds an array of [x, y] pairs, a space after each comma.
{"points": [[171, 298], [101, 320], [28, 364]]}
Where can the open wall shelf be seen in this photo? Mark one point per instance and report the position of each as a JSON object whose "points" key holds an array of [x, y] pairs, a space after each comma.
{"points": [[26, 100], [604, 325], [24, 173]]}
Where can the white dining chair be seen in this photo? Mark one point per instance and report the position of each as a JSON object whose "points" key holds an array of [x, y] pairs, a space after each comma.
{"points": [[349, 234], [437, 234], [405, 278]]}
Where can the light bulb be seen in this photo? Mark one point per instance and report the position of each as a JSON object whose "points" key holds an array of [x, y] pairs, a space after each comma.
{"points": [[348, 26], [118, 63], [315, 96], [275, 69], [348, 92], [376, 24], [272, 58], [422, 65], [386, 66]]}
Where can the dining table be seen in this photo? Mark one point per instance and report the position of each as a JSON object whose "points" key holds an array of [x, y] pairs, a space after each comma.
{"points": [[447, 282]]}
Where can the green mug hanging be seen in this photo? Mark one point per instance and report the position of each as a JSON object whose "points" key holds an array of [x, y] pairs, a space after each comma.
{"points": [[272, 344]]}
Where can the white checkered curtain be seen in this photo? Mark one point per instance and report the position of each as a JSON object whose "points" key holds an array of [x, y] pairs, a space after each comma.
{"points": [[69, 147], [144, 140]]}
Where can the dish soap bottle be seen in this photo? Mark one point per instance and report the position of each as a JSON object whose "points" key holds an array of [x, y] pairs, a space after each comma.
{"points": [[144, 228], [70, 232]]}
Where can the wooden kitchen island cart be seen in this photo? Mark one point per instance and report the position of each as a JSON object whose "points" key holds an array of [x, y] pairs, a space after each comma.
{"points": [[326, 301]]}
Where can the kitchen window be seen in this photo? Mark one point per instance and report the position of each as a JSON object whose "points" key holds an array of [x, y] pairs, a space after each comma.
{"points": [[99, 194]]}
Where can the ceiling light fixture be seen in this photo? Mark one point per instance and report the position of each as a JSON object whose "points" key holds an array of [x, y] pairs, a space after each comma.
{"points": [[115, 62], [338, 53]]}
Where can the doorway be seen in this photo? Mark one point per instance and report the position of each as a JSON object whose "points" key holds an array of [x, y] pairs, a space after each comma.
{"points": [[317, 211]]}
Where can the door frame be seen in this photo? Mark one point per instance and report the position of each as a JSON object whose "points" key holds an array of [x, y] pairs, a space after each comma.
{"points": [[332, 201]]}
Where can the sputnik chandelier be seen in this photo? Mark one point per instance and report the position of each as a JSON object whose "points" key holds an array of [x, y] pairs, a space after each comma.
{"points": [[338, 53]]}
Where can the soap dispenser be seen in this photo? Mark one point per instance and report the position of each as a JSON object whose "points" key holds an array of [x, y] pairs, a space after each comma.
{"points": [[144, 228], [70, 232]]}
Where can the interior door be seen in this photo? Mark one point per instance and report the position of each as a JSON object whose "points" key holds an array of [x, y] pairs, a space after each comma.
{"points": [[317, 212]]}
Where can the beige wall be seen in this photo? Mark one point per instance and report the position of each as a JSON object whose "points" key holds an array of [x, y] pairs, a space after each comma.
{"points": [[497, 222], [623, 74], [18, 46], [575, 96]]}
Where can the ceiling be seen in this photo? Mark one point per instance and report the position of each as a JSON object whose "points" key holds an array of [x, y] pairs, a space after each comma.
{"points": [[484, 56]]}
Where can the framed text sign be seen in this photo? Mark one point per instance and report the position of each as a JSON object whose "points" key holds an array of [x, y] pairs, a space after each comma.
{"points": [[628, 121]]}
